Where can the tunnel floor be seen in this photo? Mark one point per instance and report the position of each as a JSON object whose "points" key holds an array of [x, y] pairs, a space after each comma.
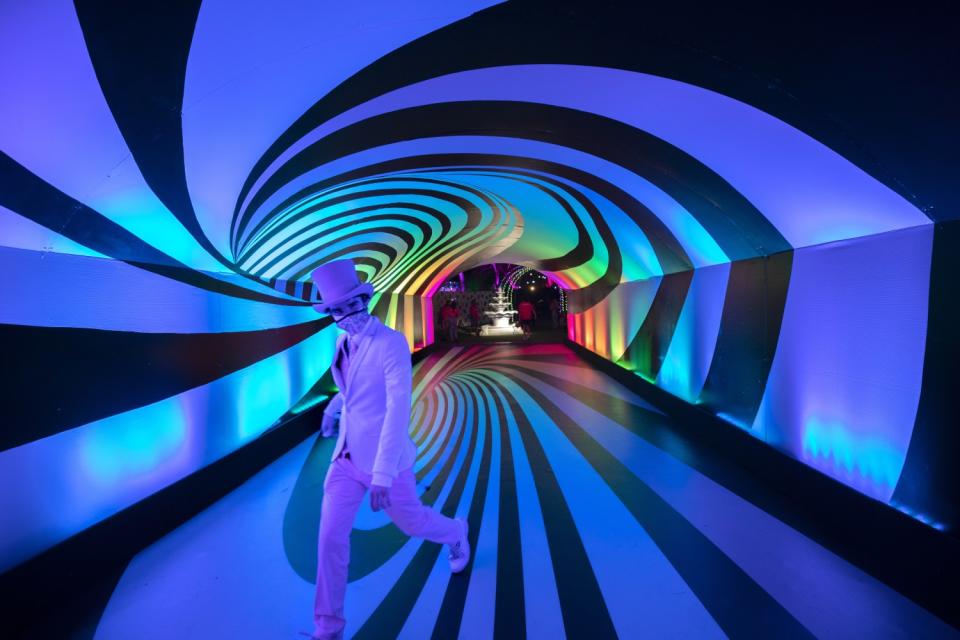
{"points": [[589, 517]]}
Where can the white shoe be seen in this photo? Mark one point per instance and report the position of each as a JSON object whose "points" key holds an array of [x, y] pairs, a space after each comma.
{"points": [[460, 552]]}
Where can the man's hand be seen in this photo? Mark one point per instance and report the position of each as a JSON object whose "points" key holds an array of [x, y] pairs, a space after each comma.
{"points": [[328, 428], [379, 497]]}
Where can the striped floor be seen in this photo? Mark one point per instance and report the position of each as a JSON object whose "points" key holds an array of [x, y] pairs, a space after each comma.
{"points": [[589, 519]]}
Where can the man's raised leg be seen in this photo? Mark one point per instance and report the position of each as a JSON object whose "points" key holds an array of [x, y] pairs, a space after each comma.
{"points": [[416, 519]]}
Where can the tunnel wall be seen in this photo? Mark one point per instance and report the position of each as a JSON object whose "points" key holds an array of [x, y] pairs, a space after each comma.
{"points": [[139, 352], [733, 216], [818, 352], [124, 382]]}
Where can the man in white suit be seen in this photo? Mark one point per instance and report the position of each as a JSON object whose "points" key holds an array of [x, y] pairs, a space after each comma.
{"points": [[374, 451]]}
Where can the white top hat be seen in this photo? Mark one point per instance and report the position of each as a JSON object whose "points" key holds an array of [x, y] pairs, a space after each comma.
{"points": [[336, 282]]}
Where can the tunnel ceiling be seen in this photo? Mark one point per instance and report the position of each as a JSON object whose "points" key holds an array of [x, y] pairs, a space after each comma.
{"points": [[754, 211], [419, 140]]}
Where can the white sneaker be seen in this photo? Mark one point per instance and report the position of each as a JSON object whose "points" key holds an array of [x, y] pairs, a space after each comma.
{"points": [[460, 552]]}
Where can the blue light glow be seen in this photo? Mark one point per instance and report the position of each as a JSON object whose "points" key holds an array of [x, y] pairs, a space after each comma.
{"points": [[687, 362], [134, 448], [865, 462]]}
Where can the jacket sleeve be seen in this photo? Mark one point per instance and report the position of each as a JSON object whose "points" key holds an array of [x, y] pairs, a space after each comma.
{"points": [[335, 405], [398, 379]]}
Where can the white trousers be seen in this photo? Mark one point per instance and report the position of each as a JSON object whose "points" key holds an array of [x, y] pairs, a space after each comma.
{"points": [[343, 491]]}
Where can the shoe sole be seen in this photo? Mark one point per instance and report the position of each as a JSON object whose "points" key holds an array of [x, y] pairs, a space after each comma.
{"points": [[466, 536]]}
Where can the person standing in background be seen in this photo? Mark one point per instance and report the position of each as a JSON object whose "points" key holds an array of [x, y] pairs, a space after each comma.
{"points": [[526, 315], [449, 317], [475, 317]]}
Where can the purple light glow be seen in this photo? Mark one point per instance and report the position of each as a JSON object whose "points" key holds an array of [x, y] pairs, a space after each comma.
{"points": [[809, 192], [255, 68], [688, 359], [697, 243], [55, 121], [845, 381], [77, 477], [87, 297]]}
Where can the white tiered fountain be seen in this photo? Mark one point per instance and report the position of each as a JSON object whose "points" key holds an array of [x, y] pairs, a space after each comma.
{"points": [[501, 312]]}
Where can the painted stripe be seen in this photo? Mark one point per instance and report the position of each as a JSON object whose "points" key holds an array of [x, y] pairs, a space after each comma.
{"points": [[649, 346], [747, 341], [120, 371], [28, 195], [481, 597], [620, 551], [139, 53], [723, 587], [582, 605], [387, 620], [714, 202]]}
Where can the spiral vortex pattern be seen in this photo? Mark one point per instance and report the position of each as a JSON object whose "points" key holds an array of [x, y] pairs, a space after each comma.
{"points": [[171, 175]]}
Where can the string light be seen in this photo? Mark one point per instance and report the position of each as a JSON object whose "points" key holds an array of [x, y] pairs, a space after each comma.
{"points": [[450, 286], [513, 278]]}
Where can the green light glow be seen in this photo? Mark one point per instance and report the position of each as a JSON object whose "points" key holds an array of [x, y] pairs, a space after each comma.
{"points": [[308, 402]]}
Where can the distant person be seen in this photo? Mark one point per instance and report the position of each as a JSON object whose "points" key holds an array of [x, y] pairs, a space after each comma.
{"points": [[448, 318], [374, 451], [555, 312], [475, 317], [541, 308], [526, 314]]}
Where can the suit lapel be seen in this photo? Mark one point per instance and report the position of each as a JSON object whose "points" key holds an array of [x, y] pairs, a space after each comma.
{"points": [[335, 369], [357, 358]]}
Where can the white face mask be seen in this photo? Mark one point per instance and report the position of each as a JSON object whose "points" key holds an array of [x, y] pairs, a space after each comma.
{"points": [[355, 316], [353, 322]]}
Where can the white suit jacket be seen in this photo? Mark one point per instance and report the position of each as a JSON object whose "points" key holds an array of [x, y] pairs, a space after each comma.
{"points": [[374, 404]]}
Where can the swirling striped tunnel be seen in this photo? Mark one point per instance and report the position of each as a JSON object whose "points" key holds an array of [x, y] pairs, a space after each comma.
{"points": [[744, 427]]}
